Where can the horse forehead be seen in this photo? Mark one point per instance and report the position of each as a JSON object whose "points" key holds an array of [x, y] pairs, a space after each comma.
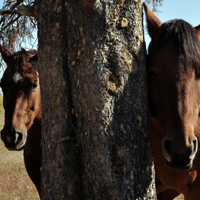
{"points": [[164, 57], [189, 85], [17, 72], [169, 64], [17, 77]]}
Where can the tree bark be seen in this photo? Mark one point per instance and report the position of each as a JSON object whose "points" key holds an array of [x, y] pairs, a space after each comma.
{"points": [[60, 151], [96, 141]]}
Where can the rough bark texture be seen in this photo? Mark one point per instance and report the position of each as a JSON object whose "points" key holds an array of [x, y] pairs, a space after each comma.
{"points": [[61, 160], [92, 56]]}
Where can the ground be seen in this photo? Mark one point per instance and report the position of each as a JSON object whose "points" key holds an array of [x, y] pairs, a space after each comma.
{"points": [[14, 181]]}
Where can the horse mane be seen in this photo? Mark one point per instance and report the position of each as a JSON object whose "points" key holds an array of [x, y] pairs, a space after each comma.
{"points": [[18, 60], [185, 41], [19, 57]]}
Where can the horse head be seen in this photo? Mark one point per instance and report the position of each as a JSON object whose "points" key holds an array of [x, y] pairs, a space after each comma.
{"points": [[174, 87], [21, 96]]}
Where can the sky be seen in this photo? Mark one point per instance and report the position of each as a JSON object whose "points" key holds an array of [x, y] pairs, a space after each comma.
{"points": [[188, 10]]}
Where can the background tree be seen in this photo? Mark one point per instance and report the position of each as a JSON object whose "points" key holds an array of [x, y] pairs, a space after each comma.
{"points": [[17, 22], [96, 142]]}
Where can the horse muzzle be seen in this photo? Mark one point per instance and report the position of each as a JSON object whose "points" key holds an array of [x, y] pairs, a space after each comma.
{"points": [[179, 159], [13, 141]]}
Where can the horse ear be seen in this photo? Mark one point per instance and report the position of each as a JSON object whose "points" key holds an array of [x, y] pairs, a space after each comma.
{"points": [[33, 60], [31, 53], [32, 56], [5, 53], [153, 23], [197, 30]]}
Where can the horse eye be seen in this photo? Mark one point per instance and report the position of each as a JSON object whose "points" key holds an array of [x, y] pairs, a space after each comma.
{"points": [[34, 86]]}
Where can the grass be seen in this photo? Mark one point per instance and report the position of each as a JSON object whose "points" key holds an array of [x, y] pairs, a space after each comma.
{"points": [[14, 181]]}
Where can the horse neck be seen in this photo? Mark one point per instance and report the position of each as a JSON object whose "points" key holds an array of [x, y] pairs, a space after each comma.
{"points": [[33, 144], [35, 130]]}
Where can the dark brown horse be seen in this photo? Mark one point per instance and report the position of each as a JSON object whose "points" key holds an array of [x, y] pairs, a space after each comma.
{"points": [[174, 98], [22, 104]]}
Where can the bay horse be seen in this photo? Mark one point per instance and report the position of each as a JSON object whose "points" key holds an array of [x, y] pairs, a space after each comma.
{"points": [[173, 64], [22, 104]]}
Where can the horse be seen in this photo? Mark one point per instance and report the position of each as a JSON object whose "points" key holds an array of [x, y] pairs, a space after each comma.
{"points": [[22, 104], [173, 64]]}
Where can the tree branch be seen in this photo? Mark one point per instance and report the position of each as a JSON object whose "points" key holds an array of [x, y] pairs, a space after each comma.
{"points": [[18, 20], [26, 10], [16, 4], [11, 22], [19, 8], [7, 12]]}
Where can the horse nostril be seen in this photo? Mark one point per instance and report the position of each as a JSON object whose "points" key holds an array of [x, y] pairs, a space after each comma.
{"points": [[177, 154], [11, 138], [18, 137], [194, 147], [167, 149]]}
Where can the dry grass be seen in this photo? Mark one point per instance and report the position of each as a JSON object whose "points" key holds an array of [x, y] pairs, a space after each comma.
{"points": [[14, 181]]}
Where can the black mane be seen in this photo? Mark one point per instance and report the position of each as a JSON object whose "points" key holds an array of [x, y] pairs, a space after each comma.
{"points": [[185, 42]]}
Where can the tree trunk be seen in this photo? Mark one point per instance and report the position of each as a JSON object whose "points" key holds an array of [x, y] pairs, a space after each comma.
{"points": [[96, 141], [60, 159]]}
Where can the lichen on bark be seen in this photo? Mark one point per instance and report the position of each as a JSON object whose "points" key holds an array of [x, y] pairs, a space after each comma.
{"points": [[100, 55], [111, 99]]}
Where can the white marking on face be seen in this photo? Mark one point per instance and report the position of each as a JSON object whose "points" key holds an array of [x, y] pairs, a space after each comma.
{"points": [[17, 76]]}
